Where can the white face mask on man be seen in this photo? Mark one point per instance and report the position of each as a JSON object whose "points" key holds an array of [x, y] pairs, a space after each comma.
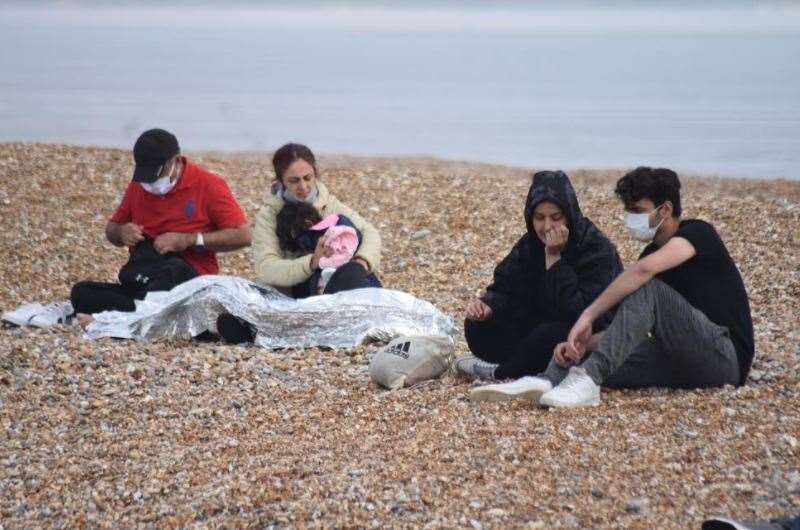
{"points": [[163, 185], [639, 225]]}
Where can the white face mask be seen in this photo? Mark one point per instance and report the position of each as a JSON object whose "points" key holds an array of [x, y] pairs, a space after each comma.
{"points": [[639, 225], [161, 186]]}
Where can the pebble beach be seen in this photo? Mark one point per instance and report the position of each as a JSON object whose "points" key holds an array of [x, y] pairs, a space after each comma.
{"points": [[183, 434]]}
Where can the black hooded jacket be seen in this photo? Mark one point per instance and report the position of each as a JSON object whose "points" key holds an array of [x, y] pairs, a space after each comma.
{"points": [[525, 293]]}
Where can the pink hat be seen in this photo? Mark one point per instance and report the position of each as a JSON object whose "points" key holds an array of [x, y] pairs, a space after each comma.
{"points": [[327, 222], [343, 240]]}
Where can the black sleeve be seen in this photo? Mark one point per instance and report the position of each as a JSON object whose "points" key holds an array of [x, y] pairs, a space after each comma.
{"points": [[703, 237], [510, 287], [568, 289]]}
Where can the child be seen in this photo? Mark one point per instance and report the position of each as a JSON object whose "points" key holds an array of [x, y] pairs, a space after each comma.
{"points": [[299, 229]]}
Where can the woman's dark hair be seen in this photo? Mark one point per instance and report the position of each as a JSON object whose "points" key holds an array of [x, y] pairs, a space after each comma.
{"points": [[657, 184], [288, 154], [292, 220]]}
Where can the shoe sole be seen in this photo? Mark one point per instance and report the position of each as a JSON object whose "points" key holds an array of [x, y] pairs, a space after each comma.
{"points": [[497, 395], [593, 403]]}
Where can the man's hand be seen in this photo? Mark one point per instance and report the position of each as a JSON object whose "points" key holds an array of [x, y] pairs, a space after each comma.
{"points": [[580, 334], [565, 357], [130, 234], [555, 240], [173, 242], [320, 252], [478, 310]]}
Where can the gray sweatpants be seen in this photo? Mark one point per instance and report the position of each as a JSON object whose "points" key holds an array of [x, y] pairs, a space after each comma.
{"points": [[658, 339]]}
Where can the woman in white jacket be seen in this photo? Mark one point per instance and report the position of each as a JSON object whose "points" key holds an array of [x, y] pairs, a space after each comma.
{"points": [[297, 181]]}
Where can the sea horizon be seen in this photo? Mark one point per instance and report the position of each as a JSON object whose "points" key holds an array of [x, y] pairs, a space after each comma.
{"points": [[712, 90]]}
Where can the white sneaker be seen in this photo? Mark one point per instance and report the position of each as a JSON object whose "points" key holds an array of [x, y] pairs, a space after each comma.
{"points": [[529, 388], [471, 366], [41, 316], [576, 390], [53, 314]]}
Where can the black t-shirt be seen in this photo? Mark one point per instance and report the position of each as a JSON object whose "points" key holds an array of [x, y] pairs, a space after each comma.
{"points": [[711, 282]]}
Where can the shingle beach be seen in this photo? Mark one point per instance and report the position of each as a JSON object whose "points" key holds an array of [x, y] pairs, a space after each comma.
{"points": [[183, 434]]}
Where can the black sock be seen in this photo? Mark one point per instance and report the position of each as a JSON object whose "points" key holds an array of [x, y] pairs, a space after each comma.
{"points": [[234, 330]]}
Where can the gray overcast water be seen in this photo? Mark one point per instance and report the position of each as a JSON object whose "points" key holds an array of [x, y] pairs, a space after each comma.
{"points": [[712, 92]]}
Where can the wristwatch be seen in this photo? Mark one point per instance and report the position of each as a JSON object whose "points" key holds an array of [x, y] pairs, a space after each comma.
{"points": [[198, 242]]}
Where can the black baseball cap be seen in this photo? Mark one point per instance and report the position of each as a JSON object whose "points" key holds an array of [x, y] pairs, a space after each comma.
{"points": [[151, 151]]}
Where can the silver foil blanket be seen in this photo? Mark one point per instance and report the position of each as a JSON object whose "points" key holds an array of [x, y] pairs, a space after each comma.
{"points": [[339, 320]]}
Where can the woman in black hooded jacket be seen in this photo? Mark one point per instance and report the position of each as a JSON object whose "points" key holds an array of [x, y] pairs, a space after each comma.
{"points": [[540, 289]]}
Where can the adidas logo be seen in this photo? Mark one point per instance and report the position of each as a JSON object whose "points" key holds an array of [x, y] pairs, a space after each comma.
{"points": [[400, 349]]}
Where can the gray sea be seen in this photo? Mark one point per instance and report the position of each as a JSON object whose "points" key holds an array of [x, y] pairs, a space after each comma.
{"points": [[712, 90]]}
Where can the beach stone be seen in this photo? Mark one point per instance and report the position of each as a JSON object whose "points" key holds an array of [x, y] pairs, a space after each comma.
{"points": [[793, 481], [421, 234], [638, 505], [570, 521]]}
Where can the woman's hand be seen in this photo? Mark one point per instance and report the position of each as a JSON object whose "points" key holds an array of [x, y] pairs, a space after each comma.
{"points": [[321, 251], [478, 310], [555, 240]]}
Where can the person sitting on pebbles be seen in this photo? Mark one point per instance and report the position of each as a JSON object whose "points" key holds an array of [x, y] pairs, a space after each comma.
{"points": [[174, 217], [682, 319], [294, 270], [550, 276], [300, 226]]}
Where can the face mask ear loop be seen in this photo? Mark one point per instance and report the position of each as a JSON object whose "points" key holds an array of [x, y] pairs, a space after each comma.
{"points": [[662, 219]]}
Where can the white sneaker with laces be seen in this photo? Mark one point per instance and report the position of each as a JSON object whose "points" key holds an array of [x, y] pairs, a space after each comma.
{"points": [[529, 388], [53, 314], [576, 390], [40, 316]]}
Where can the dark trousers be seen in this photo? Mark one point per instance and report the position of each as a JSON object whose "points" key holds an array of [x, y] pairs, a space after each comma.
{"points": [[347, 277], [518, 351], [96, 297], [657, 339]]}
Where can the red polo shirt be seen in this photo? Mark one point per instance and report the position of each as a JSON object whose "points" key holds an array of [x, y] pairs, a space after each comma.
{"points": [[200, 202]]}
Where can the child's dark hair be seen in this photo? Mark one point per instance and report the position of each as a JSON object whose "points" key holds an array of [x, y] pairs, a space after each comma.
{"points": [[292, 220], [658, 185]]}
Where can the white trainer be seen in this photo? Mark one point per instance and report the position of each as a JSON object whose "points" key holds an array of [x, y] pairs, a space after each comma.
{"points": [[53, 314], [576, 390], [528, 388], [40, 316]]}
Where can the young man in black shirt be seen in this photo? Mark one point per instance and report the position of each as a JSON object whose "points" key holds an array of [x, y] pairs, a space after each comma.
{"points": [[683, 317]]}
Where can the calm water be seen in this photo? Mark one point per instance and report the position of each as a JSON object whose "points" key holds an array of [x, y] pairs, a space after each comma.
{"points": [[703, 91]]}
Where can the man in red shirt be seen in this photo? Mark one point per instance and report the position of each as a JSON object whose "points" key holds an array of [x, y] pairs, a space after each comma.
{"points": [[174, 217]]}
